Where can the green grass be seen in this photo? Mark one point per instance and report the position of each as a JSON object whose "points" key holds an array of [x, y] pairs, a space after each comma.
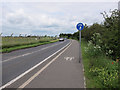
{"points": [[18, 41], [14, 43], [99, 70]]}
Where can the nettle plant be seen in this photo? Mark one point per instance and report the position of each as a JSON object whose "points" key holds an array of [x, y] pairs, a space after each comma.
{"points": [[94, 45]]}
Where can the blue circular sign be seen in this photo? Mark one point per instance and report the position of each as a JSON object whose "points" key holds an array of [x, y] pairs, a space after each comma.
{"points": [[80, 26]]}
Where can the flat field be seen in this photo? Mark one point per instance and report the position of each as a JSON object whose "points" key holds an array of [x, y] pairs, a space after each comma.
{"points": [[14, 43]]}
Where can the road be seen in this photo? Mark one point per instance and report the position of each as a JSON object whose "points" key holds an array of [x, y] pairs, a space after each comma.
{"points": [[40, 67]]}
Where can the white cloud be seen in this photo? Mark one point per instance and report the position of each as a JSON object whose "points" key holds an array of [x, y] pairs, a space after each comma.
{"points": [[30, 23], [50, 18]]}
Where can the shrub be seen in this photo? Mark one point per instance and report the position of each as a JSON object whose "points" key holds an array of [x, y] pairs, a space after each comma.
{"points": [[94, 48]]}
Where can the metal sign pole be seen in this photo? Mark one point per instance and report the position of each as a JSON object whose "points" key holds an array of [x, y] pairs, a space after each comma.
{"points": [[80, 45], [80, 27]]}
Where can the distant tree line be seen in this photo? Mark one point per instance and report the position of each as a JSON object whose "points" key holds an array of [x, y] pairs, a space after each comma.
{"points": [[28, 35], [109, 31]]}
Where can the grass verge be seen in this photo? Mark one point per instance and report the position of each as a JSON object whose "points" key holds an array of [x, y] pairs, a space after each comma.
{"points": [[6, 50], [100, 71]]}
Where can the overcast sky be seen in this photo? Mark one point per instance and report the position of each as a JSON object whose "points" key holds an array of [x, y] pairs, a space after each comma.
{"points": [[44, 18]]}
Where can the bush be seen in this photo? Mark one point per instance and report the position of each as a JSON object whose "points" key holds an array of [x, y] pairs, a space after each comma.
{"points": [[94, 48], [109, 34]]}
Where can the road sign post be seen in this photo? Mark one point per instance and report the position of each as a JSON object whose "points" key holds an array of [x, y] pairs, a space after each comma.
{"points": [[80, 27]]}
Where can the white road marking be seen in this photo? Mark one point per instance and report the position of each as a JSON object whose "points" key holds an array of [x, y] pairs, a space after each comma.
{"points": [[84, 82], [21, 75], [29, 53], [69, 58], [36, 74]]}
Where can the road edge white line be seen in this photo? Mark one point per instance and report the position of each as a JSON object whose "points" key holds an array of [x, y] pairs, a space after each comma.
{"points": [[21, 75], [84, 75], [36, 74]]}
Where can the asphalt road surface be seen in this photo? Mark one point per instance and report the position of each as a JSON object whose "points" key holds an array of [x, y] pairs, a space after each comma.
{"points": [[32, 67]]}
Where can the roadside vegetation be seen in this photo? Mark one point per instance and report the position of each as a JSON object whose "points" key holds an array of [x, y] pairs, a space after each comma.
{"points": [[100, 70], [10, 43], [101, 51]]}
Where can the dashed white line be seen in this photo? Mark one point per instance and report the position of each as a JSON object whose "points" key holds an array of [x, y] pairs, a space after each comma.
{"points": [[84, 76]]}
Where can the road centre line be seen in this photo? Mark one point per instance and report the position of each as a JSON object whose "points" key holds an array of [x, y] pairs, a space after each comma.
{"points": [[21, 75], [29, 53], [36, 74]]}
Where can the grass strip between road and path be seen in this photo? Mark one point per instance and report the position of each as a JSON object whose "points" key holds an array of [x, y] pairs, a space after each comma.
{"points": [[100, 70], [6, 50]]}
